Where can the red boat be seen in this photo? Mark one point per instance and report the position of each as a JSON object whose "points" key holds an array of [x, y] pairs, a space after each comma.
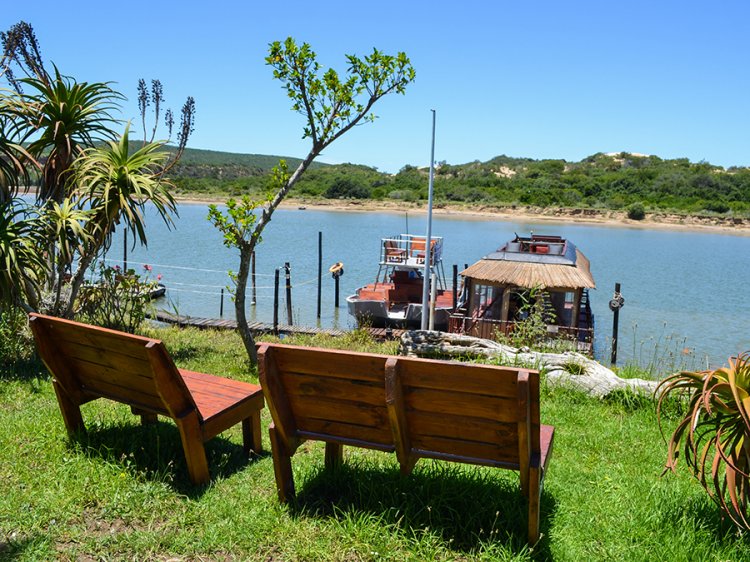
{"points": [[395, 298]]}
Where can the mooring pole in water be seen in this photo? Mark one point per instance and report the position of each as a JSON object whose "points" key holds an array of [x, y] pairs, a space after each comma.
{"points": [[455, 286], [288, 274], [221, 305], [125, 251], [615, 305], [276, 302], [320, 268], [337, 270], [252, 275]]}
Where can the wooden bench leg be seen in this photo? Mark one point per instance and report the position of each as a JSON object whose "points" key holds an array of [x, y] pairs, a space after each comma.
{"points": [[534, 496], [282, 467], [251, 434], [195, 451], [146, 417], [71, 412], [334, 455]]}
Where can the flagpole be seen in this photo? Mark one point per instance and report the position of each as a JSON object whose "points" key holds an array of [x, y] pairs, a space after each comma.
{"points": [[428, 239]]}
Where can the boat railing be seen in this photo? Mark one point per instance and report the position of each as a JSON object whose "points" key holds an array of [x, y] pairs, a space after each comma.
{"points": [[409, 250]]}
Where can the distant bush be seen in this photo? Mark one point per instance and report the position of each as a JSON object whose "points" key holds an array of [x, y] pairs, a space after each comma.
{"points": [[345, 188], [403, 194], [636, 211]]}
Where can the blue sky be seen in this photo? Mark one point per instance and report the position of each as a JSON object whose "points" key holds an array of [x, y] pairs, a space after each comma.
{"points": [[539, 79]]}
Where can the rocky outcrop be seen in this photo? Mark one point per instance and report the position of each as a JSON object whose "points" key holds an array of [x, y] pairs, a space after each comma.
{"points": [[569, 369]]}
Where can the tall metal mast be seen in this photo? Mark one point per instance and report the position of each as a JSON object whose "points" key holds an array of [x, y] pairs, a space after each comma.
{"points": [[428, 239]]}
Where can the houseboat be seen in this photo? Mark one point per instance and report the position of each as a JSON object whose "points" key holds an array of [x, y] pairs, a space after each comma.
{"points": [[395, 298], [500, 289]]}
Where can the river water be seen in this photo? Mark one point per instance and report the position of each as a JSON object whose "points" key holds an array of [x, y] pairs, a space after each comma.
{"points": [[685, 292]]}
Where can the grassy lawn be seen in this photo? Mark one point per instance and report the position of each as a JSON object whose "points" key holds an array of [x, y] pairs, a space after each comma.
{"points": [[122, 492]]}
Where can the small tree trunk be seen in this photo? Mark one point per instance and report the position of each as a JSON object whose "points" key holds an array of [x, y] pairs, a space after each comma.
{"points": [[246, 251]]}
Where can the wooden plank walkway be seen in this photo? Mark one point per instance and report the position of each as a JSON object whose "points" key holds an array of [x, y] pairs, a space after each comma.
{"points": [[260, 327]]}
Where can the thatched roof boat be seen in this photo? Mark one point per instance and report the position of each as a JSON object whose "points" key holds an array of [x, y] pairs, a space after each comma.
{"points": [[500, 288]]}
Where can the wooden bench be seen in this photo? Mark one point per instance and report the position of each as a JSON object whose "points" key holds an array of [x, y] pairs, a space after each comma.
{"points": [[88, 362], [477, 414]]}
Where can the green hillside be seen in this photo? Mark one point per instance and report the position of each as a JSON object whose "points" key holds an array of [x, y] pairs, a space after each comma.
{"points": [[602, 181]]}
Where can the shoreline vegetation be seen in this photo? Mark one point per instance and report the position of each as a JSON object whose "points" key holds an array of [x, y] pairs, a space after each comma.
{"points": [[603, 217], [614, 189]]}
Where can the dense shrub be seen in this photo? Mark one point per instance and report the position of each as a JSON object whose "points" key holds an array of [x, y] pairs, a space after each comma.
{"points": [[636, 211], [346, 188]]}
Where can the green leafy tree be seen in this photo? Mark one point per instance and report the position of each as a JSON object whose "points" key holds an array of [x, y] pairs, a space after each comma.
{"points": [[331, 105]]}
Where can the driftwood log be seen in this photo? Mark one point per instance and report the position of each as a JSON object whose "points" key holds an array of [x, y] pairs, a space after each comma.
{"points": [[565, 369]]}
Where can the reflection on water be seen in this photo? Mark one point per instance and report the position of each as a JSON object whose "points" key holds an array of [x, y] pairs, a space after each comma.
{"points": [[685, 292]]}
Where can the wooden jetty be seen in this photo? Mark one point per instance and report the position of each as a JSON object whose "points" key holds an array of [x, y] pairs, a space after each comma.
{"points": [[260, 327]]}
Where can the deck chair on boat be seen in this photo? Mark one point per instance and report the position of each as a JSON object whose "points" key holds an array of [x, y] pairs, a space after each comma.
{"points": [[393, 253]]}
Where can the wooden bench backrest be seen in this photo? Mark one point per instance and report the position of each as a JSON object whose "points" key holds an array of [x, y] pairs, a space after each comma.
{"points": [[473, 413], [319, 392], [88, 361]]}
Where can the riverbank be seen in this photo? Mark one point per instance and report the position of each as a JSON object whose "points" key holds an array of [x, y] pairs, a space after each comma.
{"points": [[602, 217]]}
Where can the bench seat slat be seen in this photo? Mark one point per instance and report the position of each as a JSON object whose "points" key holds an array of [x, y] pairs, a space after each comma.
{"points": [[464, 427], [338, 410], [337, 364], [462, 448], [89, 373], [334, 429], [334, 388], [125, 395], [111, 360], [497, 408], [103, 339], [452, 376]]}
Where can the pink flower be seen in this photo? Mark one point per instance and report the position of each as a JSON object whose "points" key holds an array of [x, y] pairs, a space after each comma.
{"points": [[158, 277], [117, 268], [147, 267]]}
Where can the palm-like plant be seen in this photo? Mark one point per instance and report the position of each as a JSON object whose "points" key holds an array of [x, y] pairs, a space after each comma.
{"points": [[15, 161], [57, 119], [22, 267], [714, 434], [116, 184], [66, 235]]}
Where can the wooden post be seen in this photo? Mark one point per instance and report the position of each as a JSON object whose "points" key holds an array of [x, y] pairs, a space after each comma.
{"points": [[506, 306], [615, 323], [455, 287], [320, 268], [221, 306], [252, 265], [336, 281], [276, 302], [433, 290], [288, 276], [125, 250]]}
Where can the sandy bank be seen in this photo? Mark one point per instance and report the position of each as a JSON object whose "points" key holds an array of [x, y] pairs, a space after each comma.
{"points": [[672, 221]]}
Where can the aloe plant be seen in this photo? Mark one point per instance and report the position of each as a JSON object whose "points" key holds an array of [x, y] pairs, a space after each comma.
{"points": [[714, 434]]}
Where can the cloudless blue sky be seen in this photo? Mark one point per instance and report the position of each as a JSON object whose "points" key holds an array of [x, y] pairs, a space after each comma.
{"points": [[539, 79]]}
